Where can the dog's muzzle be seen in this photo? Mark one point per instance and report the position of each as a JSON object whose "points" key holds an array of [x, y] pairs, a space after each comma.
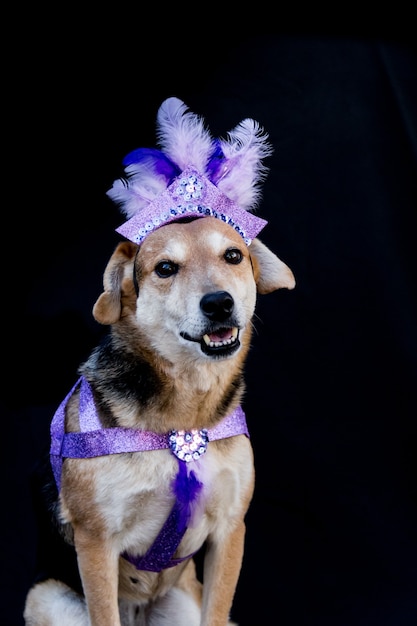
{"points": [[221, 338]]}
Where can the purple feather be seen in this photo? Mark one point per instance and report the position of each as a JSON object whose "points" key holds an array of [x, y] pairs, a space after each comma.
{"points": [[186, 488], [217, 165], [157, 160]]}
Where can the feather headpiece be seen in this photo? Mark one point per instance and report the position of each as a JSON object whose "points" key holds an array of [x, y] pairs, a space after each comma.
{"points": [[192, 174]]}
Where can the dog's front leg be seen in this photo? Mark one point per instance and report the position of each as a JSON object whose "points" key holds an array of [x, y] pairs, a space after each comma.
{"points": [[222, 564], [98, 566]]}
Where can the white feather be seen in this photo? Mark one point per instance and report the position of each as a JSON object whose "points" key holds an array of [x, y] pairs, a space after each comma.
{"points": [[246, 145], [137, 191], [182, 135]]}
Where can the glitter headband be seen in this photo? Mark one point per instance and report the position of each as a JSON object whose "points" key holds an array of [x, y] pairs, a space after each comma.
{"points": [[193, 175]]}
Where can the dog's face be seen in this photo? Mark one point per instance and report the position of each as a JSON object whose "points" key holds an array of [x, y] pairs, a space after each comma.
{"points": [[196, 286]]}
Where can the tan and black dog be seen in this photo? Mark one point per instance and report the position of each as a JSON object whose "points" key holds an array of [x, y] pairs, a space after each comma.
{"points": [[180, 307]]}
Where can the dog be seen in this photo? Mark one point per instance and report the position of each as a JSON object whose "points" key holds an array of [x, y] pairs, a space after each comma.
{"points": [[150, 451]]}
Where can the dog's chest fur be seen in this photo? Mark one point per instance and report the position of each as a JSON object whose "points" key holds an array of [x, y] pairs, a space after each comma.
{"points": [[133, 493]]}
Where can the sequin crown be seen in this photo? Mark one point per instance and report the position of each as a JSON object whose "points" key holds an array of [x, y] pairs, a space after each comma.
{"points": [[193, 175]]}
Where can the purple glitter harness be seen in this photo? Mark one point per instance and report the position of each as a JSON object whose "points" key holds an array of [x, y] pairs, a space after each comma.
{"points": [[187, 446]]}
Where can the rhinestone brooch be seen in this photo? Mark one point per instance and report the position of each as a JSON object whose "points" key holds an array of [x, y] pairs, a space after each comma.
{"points": [[188, 445]]}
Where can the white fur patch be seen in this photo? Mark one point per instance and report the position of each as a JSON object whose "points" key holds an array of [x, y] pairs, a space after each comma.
{"points": [[175, 249], [216, 240], [174, 609], [54, 603]]}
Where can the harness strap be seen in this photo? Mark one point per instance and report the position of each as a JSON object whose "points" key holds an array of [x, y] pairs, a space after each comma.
{"points": [[97, 441], [93, 441]]}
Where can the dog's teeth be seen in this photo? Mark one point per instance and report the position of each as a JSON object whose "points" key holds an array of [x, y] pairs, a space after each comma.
{"points": [[226, 342]]}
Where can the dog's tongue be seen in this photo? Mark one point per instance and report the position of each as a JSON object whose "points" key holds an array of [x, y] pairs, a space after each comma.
{"points": [[221, 335]]}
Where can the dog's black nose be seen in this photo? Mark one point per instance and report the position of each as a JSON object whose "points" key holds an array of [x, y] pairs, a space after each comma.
{"points": [[217, 306]]}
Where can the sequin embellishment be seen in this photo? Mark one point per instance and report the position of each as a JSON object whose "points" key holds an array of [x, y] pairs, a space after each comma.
{"points": [[189, 188], [190, 195], [188, 445]]}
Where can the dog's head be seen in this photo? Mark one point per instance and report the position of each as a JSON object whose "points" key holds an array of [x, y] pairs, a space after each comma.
{"points": [[186, 289], [189, 289]]}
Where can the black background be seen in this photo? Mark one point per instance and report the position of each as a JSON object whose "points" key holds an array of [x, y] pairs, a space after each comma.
{"points": [[332, 375]]}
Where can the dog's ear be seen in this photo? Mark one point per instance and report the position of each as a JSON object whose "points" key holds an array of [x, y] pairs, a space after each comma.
{"points": [[270, 272], [108, 307]]}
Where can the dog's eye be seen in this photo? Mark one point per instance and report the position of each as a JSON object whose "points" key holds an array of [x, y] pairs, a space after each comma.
{"points": [[165, 269], [233, 256]]}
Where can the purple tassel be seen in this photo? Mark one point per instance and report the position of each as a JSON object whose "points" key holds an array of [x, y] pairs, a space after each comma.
{"points": [[186, 488]]}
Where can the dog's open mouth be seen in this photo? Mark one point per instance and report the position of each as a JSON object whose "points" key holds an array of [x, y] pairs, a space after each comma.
{"points": [[221, 342]]}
